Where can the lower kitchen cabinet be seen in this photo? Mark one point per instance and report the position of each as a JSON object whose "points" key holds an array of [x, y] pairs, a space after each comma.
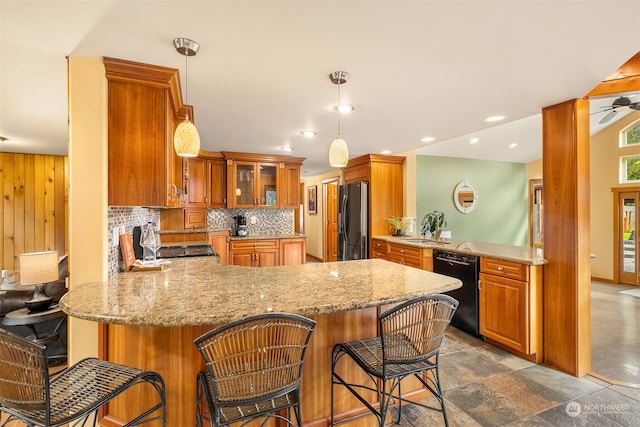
{"points": [[219, 241], [407, 255], [254, 253], [510, 306], [379, 248], [293, 251]]}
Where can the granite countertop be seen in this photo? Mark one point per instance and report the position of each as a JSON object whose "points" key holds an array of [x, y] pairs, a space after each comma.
{"points": [[519, 254], [259, 236], [263, 236], [192, 230], [197, 291]]}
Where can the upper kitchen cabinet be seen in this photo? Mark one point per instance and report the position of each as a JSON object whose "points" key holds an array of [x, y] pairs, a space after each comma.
{"points": [[385, 177], [262, 181], [205, 181], [144, 106]]}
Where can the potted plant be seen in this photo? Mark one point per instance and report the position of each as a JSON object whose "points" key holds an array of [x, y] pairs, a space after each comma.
{"points": [[396, 225], [432, 222]]}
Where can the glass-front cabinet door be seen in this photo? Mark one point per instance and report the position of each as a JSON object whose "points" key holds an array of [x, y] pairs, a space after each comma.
{"points": [[254, 185], [244, 179], [268, 185]]}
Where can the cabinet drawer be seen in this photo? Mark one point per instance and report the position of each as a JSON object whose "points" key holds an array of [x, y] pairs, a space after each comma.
{"points": [[404, 250], [378, 248], [251, 244], [411, 261], [512, 270]]}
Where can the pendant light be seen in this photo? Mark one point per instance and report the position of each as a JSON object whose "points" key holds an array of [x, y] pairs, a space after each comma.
{"points": [[186, 139], [338, 151]]}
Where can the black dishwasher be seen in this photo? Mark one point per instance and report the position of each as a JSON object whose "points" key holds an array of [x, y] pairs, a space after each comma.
{"points": [[466, 268]]}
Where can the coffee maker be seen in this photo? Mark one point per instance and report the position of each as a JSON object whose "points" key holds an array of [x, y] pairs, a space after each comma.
{"points": [[241, 225]]}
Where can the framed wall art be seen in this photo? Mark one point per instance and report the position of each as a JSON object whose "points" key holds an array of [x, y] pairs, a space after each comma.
{"points": [[312, 197]]}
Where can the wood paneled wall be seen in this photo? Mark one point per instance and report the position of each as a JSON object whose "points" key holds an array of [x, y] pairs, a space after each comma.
{"points": [[33, 212]]}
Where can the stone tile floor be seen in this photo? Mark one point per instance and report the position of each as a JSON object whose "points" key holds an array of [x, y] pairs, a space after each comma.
{"points": [[486, 386]]}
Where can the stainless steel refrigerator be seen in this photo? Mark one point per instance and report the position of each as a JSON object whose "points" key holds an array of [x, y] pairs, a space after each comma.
{"points": [[353, 221]]}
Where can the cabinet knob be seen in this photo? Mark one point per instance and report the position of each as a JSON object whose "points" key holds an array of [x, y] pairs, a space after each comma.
{"points": [[401, 251], [500, 268], [479, 285]]}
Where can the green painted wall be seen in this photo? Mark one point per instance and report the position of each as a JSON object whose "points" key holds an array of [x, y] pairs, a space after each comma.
{"points": [[501, 213]]}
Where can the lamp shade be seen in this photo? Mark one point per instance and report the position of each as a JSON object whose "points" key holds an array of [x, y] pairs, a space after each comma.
{"points": [[38, 267], [186, 140], [338, 153]]}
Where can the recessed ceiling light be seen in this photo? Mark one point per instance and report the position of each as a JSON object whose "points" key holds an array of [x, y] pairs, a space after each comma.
{"points": [[494, 119], [385, 152], [286, 148], [513, 145], [308, 133], [428, 139], [474, 140], [344, 108]]}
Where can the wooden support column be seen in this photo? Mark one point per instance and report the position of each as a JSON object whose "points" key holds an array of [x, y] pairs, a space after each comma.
{"points": [[567, 276]]}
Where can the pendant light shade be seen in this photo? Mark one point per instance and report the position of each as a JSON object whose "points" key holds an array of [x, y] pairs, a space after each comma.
{"points": [[186, 139], [339, 151]]}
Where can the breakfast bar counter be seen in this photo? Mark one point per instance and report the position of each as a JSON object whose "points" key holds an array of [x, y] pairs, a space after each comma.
{"points": [[151, 318]]}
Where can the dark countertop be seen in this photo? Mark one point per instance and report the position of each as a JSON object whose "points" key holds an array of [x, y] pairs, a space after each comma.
{"points": [[519, 254]]}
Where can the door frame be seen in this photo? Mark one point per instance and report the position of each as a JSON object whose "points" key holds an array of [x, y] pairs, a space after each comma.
{"points": [[617, 226], [326, 214]]}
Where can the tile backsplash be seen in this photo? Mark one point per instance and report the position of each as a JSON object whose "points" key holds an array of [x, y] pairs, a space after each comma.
{"points": [[266, 221]]}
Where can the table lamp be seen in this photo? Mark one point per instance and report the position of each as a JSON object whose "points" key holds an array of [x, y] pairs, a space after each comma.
{"points": [[38, 268]]}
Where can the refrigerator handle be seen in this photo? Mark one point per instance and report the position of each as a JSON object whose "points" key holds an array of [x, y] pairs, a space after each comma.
{"points": [[343, 209]]}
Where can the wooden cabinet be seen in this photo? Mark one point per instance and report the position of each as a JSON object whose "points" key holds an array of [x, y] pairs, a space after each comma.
{"points": [[195, 218], [404, 254], [510, 306], [205, 181], [378, 249], [144, 105], [293, 251], [254, 253], [385, 177], [255, 184], [262, 181], [290, 186], [219, 241]]}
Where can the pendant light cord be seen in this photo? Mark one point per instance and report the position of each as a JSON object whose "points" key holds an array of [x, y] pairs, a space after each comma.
{"points": [[186, 83], [338, 107]]}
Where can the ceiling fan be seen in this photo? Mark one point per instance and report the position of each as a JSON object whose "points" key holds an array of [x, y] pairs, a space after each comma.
{"points": [[618, 104]]}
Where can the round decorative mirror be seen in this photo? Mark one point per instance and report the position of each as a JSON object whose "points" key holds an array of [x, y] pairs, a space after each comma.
{"points": [[465, 197]]}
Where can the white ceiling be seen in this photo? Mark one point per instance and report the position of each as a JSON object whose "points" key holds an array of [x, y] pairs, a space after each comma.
{"points": [[418, 68]]}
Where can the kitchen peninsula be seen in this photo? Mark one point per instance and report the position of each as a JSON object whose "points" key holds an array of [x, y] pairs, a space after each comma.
{"points": [[151, 318]]}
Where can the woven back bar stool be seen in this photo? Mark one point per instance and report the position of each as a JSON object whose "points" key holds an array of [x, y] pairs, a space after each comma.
{"points": [[409, 345], [28, 394], [254, 368]]}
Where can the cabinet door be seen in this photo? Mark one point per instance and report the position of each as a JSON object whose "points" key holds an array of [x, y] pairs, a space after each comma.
{"points": [[290, 184], [136, 132], [267, 185], [196, 174], [217, 188], [241, 257], [266, 258], [241, 188], [219, 243], [293, 251], [504, 315]]}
